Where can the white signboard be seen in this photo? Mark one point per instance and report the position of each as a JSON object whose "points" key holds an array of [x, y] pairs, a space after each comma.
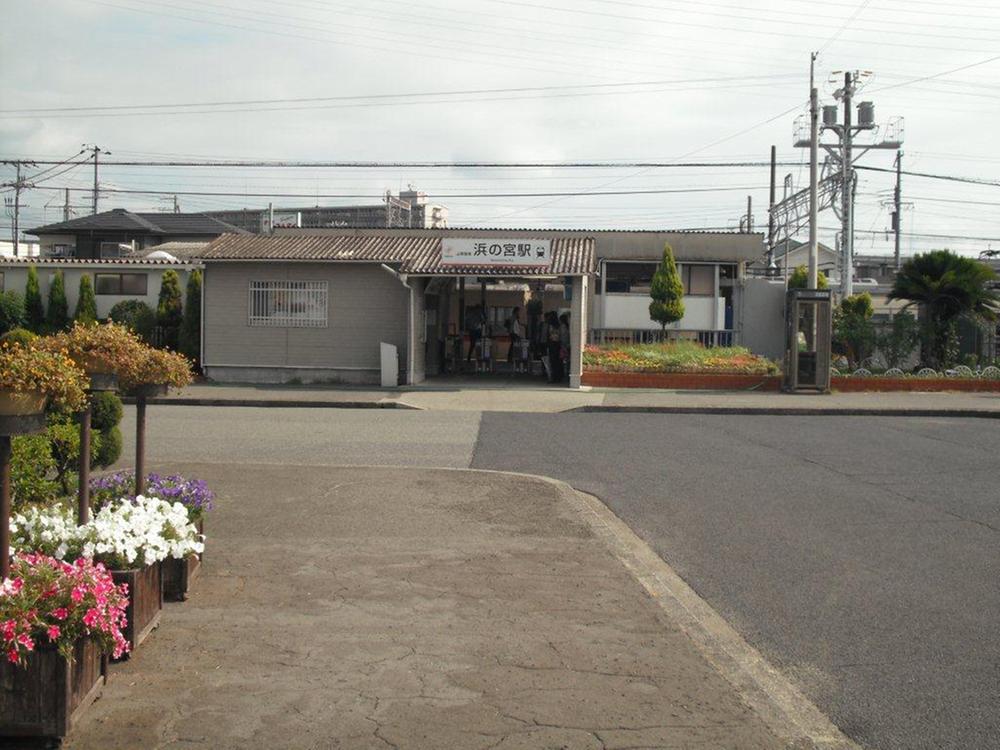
{"points": [[462, 251], [287, 219]]}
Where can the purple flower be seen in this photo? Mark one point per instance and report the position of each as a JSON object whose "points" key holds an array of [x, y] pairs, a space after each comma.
{"points": [[194, 493]]}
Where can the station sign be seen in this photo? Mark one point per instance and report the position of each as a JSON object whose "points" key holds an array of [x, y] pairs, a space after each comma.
{"points": [[462, 251]]}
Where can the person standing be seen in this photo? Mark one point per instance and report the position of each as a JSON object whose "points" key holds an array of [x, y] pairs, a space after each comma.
{"points": [[476, 319], [553, 346], [516, 331]]}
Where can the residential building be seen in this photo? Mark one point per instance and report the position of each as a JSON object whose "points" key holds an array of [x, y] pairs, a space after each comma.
{"points": [[410, 210], [112, 234]]}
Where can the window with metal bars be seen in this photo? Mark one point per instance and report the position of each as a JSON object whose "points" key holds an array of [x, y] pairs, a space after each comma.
{"points": [[288, 304]]}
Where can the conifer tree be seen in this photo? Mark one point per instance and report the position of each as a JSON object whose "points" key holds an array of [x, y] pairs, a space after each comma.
{"points": [[666, 291], [57, 318], [86, 302], [34, 310]]}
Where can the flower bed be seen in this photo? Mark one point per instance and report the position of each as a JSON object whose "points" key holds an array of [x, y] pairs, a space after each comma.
{"points": [[685, 357], [178, 572], [57, 622]]}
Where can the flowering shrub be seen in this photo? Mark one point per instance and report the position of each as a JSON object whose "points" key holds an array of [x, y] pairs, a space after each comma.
{"points": [[122, 535], [194, 494], [157, 367], [26, 369], [680, 356], [98, 347], [49, 601]]}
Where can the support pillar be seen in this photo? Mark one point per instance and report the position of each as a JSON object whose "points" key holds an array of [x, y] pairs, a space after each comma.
{"points": [[578, 329], [83, 483], [140, 444], [4, 506]]}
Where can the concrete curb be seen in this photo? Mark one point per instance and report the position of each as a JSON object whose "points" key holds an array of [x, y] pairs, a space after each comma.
{"points": [[793, 411], [275, 403]]}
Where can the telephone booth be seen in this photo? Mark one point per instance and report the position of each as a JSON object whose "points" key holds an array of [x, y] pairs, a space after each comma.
{"points": [[808, 317]]}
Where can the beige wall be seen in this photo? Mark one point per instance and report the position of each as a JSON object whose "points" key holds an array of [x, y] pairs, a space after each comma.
{"points": [[367, 305], [16, 277]]}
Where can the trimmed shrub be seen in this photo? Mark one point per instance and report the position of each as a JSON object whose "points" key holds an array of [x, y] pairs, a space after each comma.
{"points": [[106, 411], [666, 291], [170, 309], [34, 310], [109, 448], [190, 334], [57, 318], [11, 311], [86, 303]]}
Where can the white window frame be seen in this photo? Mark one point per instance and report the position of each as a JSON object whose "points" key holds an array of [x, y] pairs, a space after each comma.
{"points": [[292, 304]]}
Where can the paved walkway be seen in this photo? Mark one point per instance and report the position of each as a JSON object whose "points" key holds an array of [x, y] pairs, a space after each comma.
{"points": [[414, 608], [527, 396]]}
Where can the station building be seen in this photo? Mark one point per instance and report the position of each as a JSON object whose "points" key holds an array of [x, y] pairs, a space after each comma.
{"points": [[317, 305]]}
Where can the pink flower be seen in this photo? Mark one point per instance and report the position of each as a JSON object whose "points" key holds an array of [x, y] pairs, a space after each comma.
{"points": [[53, 632], [25, 640], [61, 613], [13, 656], [8, 628], [78, 593], [91, 618]]}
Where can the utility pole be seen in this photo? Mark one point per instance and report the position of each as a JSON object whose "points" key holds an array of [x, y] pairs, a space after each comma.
{"points": [[177, 206], [17, 211], [95, 150], [13, 205], [897, 200], [749, 214], [770, 213], [847, 218], [813, 175], [66, 206]]}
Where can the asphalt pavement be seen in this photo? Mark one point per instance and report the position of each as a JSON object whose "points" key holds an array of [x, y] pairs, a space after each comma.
{"points": [[859, 554]]}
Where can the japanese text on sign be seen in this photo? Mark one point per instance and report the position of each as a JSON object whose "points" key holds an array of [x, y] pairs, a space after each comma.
{"points": [[458, 251]]}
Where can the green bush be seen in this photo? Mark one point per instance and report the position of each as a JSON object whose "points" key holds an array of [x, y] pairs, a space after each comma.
{"points": [[34, 310], [109, 447], [666, 291], [800, 278], [190, 333], [11, 311], [57, 318], [86, 303], [898, 343], [18, 336], [31, 465], [135, 315], [853, 330], [170, 309], [106, 411]]}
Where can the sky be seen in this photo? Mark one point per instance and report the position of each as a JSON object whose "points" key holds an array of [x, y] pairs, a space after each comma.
{"points": [[679, 81]]}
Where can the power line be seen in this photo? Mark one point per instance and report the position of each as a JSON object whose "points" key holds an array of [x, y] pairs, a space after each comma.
{"points": [[277, 164], [435, 195], [950, 178]]}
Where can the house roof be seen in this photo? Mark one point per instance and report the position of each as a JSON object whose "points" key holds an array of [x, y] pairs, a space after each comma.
{"points": [[571, 256], [59, 262], [123, 220]]}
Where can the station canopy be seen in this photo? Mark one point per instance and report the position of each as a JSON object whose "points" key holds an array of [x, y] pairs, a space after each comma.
{"points": [[434, 255]]}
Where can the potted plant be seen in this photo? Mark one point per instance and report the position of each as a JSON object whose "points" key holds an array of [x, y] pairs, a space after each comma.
{"points": [[108, 353], [58, 623], [154, 371], [30, 378], [178, 572], [129, 536]]}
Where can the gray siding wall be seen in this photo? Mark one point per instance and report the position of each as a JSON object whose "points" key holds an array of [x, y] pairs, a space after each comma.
{"points": [[764, 317], [367, 305]]}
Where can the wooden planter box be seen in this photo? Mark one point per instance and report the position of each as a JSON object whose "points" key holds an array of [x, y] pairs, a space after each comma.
{"points": [[178, 575], [45, 698], [145, 602]]}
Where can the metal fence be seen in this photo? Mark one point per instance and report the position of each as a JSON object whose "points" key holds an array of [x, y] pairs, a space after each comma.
{"points": [[630, 336]]}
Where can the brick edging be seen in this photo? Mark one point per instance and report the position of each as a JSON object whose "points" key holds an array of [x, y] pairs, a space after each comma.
{"points": [[683, 381]]}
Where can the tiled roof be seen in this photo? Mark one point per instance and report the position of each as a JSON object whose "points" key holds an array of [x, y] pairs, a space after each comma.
{"points": [[122, 220], [571, 256], [127, 261]]}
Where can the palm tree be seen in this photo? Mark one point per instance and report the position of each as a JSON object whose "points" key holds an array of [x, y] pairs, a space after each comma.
{"points": [[947, 287]]}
